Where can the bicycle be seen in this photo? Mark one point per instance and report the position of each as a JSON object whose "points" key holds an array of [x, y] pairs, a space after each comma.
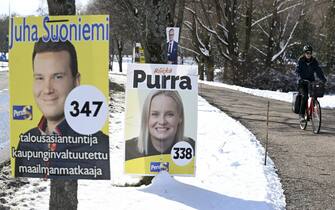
{"points": [[313, 108]]}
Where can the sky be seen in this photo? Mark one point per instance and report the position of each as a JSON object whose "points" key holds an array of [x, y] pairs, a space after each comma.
{"points": [[27, 7]]}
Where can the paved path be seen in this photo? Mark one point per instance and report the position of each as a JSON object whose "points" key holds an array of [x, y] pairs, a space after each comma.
{"points": [[305, 161]]}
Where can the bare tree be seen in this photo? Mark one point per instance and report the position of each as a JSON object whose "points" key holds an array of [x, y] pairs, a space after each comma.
{"points": [[120, 32], [201, 41], [220, 20], [241, 44], [282, 23]]}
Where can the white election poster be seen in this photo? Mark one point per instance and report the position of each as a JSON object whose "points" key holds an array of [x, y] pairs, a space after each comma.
{"points": [[161, 119]]}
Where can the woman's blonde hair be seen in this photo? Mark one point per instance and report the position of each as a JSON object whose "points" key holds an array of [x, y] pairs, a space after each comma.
{"points": [[143, 139]]}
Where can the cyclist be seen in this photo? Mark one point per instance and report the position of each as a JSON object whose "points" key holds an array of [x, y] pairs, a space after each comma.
{"points": [[307, 66]]}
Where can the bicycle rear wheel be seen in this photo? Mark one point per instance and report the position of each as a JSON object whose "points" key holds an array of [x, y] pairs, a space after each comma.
{"points": [[316, 117]]}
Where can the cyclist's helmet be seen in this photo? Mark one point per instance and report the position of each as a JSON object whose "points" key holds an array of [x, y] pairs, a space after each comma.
{"points": [[307, 48]]}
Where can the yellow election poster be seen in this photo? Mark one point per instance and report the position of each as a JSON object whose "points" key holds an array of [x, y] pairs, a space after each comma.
{"points": [[59, 97], [161, 119]]}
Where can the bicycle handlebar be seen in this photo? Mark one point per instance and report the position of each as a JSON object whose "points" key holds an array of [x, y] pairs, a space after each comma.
{"points": [[305, 80]]}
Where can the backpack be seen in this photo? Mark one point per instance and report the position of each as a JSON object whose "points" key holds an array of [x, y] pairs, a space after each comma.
{"points": [[296, 101]]}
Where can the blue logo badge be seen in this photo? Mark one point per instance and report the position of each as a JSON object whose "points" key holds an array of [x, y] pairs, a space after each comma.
{"points": [[22, 112], [159, 166]]}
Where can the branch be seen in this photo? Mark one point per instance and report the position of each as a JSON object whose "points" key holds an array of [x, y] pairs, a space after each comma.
{"points": [[266, 33], [281, 4], [289, 38], [258, 50], [190, 50], [206, 28], [205, 14], [198, 20], [285, 25], [294, 43], [186, 38], [225, 55], [220, 39], [188, 24], [270, 15], [198, 38], [204, 51], [223, 27], [285, 46]]}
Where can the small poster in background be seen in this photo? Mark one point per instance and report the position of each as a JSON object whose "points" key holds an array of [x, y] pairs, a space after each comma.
{"points": [[161, 119], [138, 54], [172, 34], [59, 97]]}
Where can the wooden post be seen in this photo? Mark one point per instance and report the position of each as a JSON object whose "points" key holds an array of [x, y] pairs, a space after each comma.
{"points": [[267, 132]]}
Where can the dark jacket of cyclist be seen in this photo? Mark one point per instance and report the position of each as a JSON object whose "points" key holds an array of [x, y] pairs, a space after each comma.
{"points": [[306, 68]]}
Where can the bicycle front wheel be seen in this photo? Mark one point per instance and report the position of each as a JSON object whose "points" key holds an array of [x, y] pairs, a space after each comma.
{"points": [[316, 117], [303, 123]]}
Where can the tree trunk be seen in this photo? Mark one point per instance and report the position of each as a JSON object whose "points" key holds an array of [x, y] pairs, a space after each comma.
{"points": [[210, 69], [201, 70], [111, 54], [63, 193], [155, 37], [231, 10], [226, 73], [171, 14], [62, 7], [111, 62], [210, 72], [180, 13], [246, 57], [119, 44], [248, 22]]}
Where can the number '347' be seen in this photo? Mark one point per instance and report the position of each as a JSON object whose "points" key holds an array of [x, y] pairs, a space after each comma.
{"points": [[86, 109]]}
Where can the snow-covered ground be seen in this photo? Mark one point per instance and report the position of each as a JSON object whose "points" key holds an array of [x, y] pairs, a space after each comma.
{"points": [[4, 125], [230, 173], [4, 119]]}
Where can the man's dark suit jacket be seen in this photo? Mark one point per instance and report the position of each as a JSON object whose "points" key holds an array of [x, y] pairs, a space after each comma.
{"points": [[172, 55]]}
